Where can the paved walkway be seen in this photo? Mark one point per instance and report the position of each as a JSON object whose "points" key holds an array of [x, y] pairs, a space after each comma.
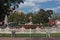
{"points": [[9, 38]]}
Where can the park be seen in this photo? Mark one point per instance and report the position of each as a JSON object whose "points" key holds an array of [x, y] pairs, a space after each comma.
{"points": [[29, 20]]}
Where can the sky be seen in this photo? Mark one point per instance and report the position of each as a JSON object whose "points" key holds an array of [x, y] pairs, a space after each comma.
{"points": [[35, 5]]}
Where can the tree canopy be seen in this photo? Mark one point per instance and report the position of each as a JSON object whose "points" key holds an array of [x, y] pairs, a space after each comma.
{"points": [[6, 6], [16, 17], [42, 16]]}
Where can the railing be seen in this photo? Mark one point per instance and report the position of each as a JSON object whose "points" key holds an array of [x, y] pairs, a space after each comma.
{"points": [[23, 30]]}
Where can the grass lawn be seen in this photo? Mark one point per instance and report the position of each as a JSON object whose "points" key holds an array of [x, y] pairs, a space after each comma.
{"points": [[23, 35], [55, 35], [31, 35]]}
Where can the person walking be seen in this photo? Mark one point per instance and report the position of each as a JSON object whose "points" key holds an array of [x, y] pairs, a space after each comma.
{"points": [[13, 33], [48, 33]]}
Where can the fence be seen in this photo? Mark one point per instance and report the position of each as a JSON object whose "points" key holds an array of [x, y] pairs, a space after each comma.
{"points": [[23, 30]]}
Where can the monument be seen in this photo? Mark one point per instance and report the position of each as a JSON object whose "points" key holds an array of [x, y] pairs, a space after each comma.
{"points": [[30, 20], [5, 20]]}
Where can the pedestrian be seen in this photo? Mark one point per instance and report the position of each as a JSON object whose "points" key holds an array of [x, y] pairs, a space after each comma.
{"points": [[13, 33], [48, 33]]}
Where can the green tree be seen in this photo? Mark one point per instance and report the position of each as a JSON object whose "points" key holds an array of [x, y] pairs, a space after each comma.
{"points": [[16, 17], [42, 16], [56, 16], [5, 7], [50, 12]]}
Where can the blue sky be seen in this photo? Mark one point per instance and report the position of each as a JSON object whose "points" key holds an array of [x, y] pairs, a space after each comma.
{"points": [[35, 5]]}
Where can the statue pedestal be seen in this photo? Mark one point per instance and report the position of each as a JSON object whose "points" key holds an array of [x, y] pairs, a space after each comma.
{"points": [[30, 23]]}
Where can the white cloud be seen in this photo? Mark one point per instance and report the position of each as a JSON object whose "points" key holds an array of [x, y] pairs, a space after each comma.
{"points": [[37, 1], [54, 0], [31, 3], [58, 7], [34, 9], [57, 0], [54, 9], [27, 4], [50, 9]]}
